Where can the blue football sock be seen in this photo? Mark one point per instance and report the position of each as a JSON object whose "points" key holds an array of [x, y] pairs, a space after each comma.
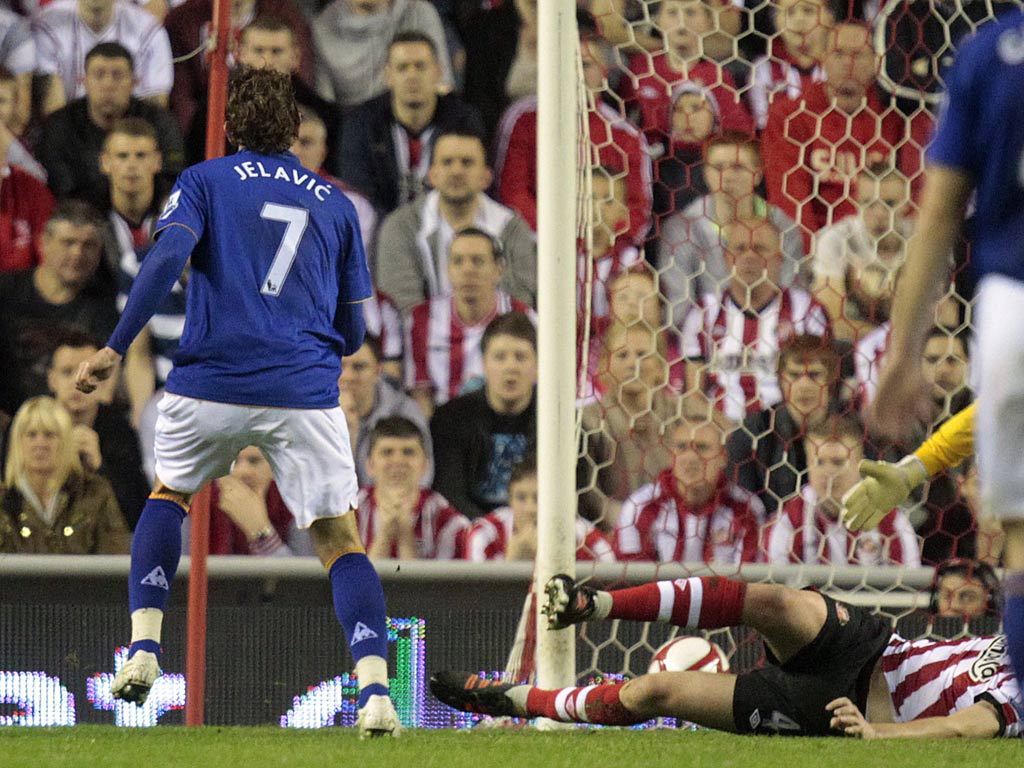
{"points": [[1013, 619], [359, 605], [156, 549]]}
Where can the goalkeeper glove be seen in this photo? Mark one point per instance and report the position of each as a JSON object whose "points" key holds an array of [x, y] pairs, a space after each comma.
{"points": [[883, 487]]}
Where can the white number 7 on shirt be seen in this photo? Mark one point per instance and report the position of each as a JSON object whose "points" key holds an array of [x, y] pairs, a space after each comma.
{"points": [[296, 219]]}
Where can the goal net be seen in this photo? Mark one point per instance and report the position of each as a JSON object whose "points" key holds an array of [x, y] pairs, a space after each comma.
{"points": [[751, 178]]}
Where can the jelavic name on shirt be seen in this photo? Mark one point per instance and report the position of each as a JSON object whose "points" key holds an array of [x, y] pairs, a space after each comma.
{"points": [[253, 169]]}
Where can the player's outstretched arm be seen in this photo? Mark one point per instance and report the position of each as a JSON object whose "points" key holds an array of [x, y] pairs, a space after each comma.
{"points": [[157, 275], [886, 485], [899, 402], [883, 486], [978, 721]]}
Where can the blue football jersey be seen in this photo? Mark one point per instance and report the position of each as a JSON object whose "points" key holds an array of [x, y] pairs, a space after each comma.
{"points": [[980, 131], [278, 250]]}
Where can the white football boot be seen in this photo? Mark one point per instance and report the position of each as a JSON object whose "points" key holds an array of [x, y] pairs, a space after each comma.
{"points": [[136, 677], [378, 718]]}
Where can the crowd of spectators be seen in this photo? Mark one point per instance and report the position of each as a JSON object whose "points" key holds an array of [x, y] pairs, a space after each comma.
{"points": [[751, 195]]}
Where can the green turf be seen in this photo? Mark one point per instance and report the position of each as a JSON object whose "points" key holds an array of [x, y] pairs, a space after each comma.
{"points": [[105, 746]]}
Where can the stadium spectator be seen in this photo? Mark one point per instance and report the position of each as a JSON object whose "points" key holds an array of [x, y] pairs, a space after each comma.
{"points": [[793, 61], [731, 340], [691, 258], [612, 251], [13, 151], [25, 200], [49, 504], [384, 321], [856, 259], [479, 437], [248, 515], [443, 356], [266, 41], [311, 146], [692, 513], [965, 589], [386, 142], [495, 36], [106, 443], [61, 291], [633, 298], [189, 27], [808, 529], [617, 143], [367, 396], [413, 243], [66, 31], [647, 87], [678, 171], [816, 144], [130, 160], [18, 59], [398, 517], [624, 445], [510, 533], [767, 452], [945, 366], [352, 39], [73, 136], [827, 661]]}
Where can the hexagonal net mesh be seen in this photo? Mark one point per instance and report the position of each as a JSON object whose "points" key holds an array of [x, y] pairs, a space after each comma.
{"points": [[752, 186]]}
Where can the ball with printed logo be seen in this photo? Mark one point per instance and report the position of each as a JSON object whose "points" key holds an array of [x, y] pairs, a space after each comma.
{"points": [[689, 654]]}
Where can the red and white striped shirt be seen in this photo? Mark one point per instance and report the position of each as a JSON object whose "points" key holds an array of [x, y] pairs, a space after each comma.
{"points": [[868, 359], [740, 349], [802, 533], [656, 525], [439, 527], [929, 678], [384, 321], [442, 351], [488, 537]]}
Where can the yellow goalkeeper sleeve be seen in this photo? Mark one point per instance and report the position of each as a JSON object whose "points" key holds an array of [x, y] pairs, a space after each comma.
{"points": [[951, 444]]}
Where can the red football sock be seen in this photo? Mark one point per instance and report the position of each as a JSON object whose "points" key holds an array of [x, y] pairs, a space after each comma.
{"points": [[705, 602], [597, 704]]}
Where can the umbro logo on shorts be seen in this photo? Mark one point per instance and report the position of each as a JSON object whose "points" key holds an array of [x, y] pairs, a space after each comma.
{"points": [[157, 578], [360, 633]]}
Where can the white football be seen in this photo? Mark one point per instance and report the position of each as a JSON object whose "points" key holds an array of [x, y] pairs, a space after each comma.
{"points": [[689, 654]]}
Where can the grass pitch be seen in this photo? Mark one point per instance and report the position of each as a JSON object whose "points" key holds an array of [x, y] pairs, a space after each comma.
{"points": [[109, 747]]}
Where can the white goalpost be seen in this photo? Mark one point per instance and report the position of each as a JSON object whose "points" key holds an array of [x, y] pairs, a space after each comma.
{"points": [[557, 129]]}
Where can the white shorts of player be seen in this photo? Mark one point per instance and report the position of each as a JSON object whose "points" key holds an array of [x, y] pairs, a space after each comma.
{"points": [[309, 451], [999, 423]]}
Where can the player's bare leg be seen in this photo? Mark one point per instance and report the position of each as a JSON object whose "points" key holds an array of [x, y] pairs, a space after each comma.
{"points": [[359, 604], [788, 618], [156, 549]]}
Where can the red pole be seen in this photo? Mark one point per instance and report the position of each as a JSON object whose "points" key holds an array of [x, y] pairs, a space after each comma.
{"points": [[195, 656], [218, 79]]}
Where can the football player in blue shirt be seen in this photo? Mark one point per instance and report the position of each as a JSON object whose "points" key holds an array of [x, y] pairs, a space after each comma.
{"points": [[978, 147], [278, 275]]}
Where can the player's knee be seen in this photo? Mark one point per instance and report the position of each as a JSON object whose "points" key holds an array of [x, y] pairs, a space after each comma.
{"points": [[334, 537], [649, 694]]}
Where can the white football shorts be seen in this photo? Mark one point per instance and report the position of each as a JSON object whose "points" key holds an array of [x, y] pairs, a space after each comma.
{"points": [[999, 423], [308, 449]]}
